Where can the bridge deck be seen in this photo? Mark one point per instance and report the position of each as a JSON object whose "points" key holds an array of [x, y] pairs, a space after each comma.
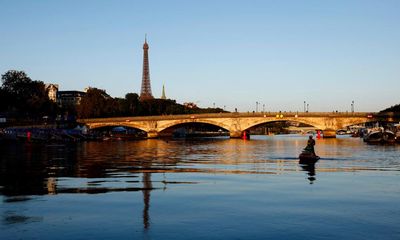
{"points": [[231, 115]]}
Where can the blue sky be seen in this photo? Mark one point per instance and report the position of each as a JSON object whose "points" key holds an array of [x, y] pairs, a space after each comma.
{"points": [[231, 53]]}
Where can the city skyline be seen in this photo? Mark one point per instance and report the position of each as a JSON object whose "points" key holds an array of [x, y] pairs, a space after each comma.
{"points": [[228, 53]]}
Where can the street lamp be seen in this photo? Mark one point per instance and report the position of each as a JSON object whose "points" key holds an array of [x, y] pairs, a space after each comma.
{"points": [[307, 107], [304, 106], [256, 106], [352, 106]]}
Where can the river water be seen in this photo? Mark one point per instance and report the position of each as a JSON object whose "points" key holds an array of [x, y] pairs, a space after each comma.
{"points": [[200, 189]]}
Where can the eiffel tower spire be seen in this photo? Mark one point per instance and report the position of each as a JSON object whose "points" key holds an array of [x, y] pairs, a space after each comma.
{"points": [[145, 92]]}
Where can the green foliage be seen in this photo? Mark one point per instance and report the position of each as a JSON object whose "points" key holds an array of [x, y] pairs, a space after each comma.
{"points": [[160, 107], [24, 97], [4, 100], [131, 105], [15, 82], [96, 103], [395, 108]]}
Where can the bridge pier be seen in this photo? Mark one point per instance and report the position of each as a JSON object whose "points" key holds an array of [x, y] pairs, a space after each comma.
{"points": [[235, 134], [329, 133], [152, 134]]}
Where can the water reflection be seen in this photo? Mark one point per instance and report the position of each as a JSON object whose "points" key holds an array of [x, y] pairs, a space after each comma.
{"points": [[100, 167], [232, 180], [10, 218], [310, 169], [146, 199]]}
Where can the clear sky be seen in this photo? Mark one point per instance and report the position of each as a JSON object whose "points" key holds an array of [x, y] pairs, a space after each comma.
{"points": [[231, 53]]}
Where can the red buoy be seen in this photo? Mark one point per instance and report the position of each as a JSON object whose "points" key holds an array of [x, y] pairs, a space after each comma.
{"points": [[28, 135]]}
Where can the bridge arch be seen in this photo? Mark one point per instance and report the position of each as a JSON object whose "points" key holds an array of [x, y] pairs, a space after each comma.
{"points": [[171, 124], [94, 126], [271, 120], [359, 122], [192, 129]]}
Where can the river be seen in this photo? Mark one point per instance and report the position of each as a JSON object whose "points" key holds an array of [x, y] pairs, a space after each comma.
{"points": [[200, 189]]}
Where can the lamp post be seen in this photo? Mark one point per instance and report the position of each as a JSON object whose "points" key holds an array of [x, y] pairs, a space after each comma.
{"points": [[352, 106], [304, 106], [263, 108], [307, 107], [256, 106], [213, 105]]}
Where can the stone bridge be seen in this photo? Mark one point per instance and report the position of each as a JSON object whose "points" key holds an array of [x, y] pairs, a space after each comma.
{"points": [[235, 123]]}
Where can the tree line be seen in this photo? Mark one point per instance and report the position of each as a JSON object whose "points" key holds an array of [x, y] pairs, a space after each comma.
{"points": [[395, 109], [24, 98], [96, 103]]}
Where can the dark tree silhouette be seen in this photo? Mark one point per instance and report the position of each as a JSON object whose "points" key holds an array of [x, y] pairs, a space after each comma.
{"points": [[395, 108], [97, 103], [25, 97]]}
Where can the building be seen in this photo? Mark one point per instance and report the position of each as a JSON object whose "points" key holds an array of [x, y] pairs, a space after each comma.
{"points": [[52, 90], [190, 105], [67, 99], [145, 93]]}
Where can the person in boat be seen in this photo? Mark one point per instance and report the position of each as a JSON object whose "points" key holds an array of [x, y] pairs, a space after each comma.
{"points": [[310, 145]]}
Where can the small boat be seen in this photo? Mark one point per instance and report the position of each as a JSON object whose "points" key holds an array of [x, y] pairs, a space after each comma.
{"points": [[374, 136], [379, 136], [307, 157], [388, 136]]}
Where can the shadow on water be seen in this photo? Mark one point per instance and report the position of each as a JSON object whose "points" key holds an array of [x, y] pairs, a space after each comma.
{"points": [[13, 218], [310, 169]]}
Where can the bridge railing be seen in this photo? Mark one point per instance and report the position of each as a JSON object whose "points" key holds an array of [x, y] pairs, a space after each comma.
{"points": [[233, 115]]}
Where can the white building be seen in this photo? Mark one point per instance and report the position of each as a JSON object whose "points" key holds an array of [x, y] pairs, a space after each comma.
{"points": [[52, 90]]}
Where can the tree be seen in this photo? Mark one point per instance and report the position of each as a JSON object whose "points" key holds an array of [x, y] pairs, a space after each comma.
{"points": [[15, 82], [37, 100], [132, 106], [97, 103], [25, 98], [4, 101], [395, 108]]}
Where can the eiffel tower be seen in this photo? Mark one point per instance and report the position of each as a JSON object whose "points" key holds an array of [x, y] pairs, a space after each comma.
{"points": [[145, 93]]}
